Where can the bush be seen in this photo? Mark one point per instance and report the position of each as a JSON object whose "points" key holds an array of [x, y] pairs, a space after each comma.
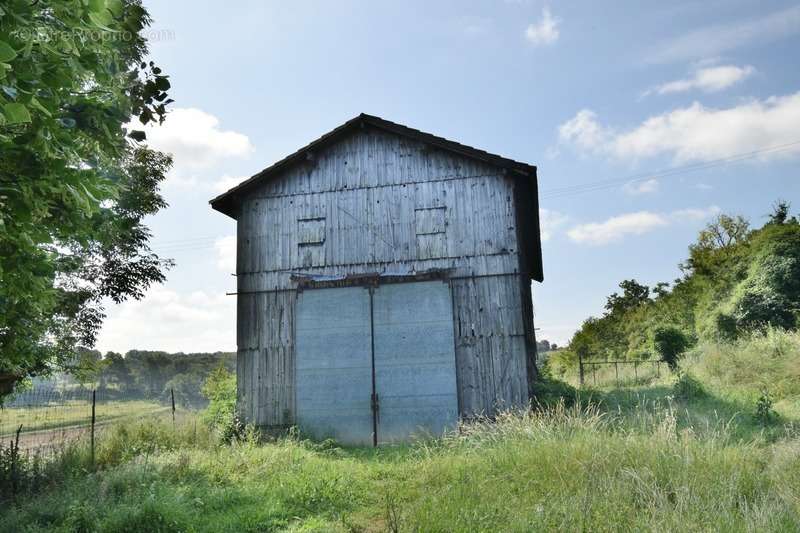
{"points": [[670, 342], [220, 390], [764, 412]]}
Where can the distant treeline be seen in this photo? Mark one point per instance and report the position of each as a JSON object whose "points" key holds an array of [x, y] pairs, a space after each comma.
{"points": [[736, 280], [154, 374]]}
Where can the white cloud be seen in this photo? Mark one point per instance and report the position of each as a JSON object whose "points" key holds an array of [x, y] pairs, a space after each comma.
{"points": [[549, 221], [545, 31], [703, 186], [584, 131], [617, 228], [694, 133], [195, 139], [713, 40], [226, 253], [695, 213], [167, 320], [226, 182], [635, 188], [710, 79]]}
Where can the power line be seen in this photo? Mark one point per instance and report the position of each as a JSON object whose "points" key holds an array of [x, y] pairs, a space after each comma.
{"points": [[665, 173], [193, 244]]}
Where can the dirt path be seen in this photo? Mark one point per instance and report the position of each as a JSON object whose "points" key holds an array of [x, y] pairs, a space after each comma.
{"points": [[53, 439]]}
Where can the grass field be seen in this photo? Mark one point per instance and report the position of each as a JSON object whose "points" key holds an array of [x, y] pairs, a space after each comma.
{"points": [[688, 454], [72, 413]]}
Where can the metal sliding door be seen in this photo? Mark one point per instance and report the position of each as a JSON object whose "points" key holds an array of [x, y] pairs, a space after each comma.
{"points": [[415, 373], [376, 358], [334, 364]]}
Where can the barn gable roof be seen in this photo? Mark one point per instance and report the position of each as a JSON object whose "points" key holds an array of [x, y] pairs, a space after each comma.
{"points": [[227, 202]]}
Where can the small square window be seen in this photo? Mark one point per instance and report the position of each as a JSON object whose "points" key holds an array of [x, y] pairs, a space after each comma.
{"points": [[311, 231], [430, 220]]}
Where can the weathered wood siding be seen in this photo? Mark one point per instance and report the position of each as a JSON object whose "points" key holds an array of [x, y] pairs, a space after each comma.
{"points": [[375, 202]]}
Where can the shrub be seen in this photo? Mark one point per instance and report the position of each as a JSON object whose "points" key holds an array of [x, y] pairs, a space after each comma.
{"points": [[220, 390], [670, 342], [765, 414], [221, 415]]}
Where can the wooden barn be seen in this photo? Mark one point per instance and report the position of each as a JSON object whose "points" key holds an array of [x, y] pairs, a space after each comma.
{"points": [[384, 284]]}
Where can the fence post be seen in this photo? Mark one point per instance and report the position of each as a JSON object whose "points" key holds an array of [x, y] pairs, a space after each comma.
{"points": [[14, 455], [594, 373], [172, 394], [94, 400], [635, 373], [580, 366], [616, 372], [658, 369]]}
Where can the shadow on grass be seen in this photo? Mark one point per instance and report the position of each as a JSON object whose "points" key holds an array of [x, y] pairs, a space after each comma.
{"points": [[700, 411]]}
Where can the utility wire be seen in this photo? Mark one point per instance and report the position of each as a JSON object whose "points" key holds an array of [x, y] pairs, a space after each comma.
{"points": [[203, 243], [571, 190]]}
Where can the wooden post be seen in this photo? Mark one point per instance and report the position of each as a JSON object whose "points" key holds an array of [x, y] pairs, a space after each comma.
{"points": [[594, 374], [172, 394], [580, 366], [94, 400], [616, 372], [635, 372]]}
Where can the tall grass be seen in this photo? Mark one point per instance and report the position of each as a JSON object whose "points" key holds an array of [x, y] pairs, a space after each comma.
{"points": [[674, 456], [744, 369], [578, 467]]}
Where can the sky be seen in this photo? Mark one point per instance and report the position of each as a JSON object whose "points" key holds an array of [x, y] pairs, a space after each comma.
{"points": [[645, 120]]}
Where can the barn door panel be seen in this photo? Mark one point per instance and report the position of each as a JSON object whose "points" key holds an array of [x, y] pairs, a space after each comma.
{"points": [[334, 364], [415, 375]]}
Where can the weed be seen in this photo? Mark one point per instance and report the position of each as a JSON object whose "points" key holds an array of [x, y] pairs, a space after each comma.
{"points": [[764, 412]]}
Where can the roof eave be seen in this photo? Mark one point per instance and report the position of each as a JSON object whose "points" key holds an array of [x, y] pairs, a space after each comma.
{"points": [[222, 202]]}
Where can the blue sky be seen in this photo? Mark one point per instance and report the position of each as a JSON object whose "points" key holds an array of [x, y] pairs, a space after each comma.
{"points": [[587, 91]]}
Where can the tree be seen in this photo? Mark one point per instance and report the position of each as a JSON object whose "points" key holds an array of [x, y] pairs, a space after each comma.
{"points": [[716, 244], [780, 214], [670, 342], [725, 232], [634, 294], [543, 346], [117, 372], [75, 184]]}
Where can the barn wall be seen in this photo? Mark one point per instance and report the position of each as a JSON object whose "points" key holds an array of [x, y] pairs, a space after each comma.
{"points": [[375, 202]]}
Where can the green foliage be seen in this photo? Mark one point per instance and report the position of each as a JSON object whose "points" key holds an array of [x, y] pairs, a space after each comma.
{"points": [[741, 370], [770, 292], [220, 390], [633, 295], [74, 185], [670, 342], [735, 281], [765, 414], [585, 468]]}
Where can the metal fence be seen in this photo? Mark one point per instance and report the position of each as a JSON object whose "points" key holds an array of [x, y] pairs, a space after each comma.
{"points": [[619, 373], [46, 419]]}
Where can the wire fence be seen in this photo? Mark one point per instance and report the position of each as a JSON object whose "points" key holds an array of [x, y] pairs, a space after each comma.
{"points": [[44, 419], [620, 373]]}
